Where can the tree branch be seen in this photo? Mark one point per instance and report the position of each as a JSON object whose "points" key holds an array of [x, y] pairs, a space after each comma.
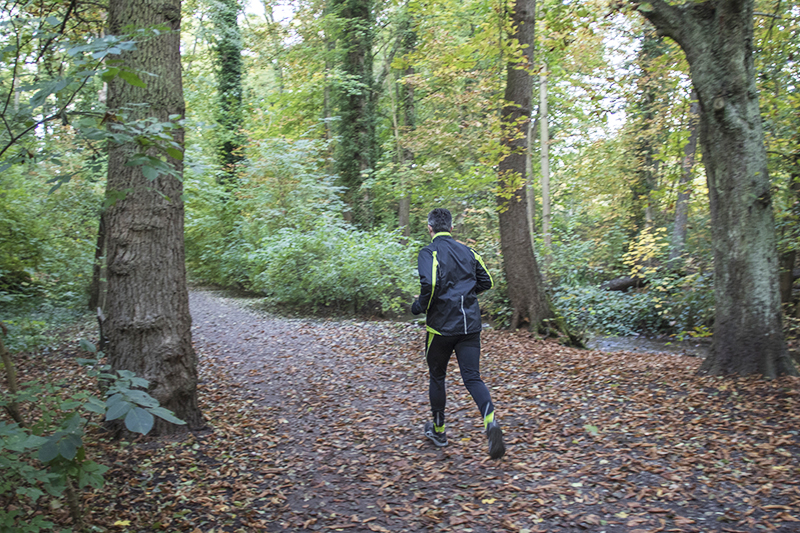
{"points": [[669, 20]]}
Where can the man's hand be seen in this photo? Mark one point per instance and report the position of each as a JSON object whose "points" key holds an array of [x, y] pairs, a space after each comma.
{"points": [[416, 308]]}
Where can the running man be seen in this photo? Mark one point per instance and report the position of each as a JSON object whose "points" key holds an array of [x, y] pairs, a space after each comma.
{"points": [[451, 276]]}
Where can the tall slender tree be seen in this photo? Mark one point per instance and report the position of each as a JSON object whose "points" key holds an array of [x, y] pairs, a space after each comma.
{"points": [[649, 135], [355, 155], [526, 287], [147, 325], [717, 38], [680, 229], [407, 106], [228, 48], [544, 138]]}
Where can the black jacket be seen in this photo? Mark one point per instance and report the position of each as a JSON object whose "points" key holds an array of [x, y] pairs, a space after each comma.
{"points": [[451, 276]]}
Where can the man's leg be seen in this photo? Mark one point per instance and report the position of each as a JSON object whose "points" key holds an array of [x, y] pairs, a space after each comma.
{"points": [[468, 353], [437, 353]]}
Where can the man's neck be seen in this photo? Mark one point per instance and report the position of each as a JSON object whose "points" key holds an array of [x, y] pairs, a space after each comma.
{"points": [[434, 235]]}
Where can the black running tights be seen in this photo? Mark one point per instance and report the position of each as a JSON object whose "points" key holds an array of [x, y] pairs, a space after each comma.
{"points": [[468, 353]]}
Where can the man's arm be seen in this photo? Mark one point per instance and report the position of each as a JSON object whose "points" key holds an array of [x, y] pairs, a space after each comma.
{"points": [[482, 276], [427, 280]]}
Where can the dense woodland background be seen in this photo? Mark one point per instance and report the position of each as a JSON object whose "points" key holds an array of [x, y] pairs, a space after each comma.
{"points": [[288, 196], [623, 168]]}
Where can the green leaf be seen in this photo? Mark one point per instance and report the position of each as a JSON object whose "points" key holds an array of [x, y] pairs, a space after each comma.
{"points": [[126, 374], [174, 153], [68, 446], [167, 415], [132, 78], [142, 398], [109, 74], [91, 474], [87, 346], [117, 409], [149, 172], [94, 405], [139, 421], [34, 441], [48, 451]]}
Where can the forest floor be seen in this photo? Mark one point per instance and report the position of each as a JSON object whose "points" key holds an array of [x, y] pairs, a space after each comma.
{"points": [[317, 426]]}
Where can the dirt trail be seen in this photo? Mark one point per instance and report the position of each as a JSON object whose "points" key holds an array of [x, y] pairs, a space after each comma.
{"points": [[327, 435], [350, 409]]}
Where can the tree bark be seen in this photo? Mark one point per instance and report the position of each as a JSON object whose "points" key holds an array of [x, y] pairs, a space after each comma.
{"points": [[679, 232], [97, 288], [148, 326], [355, 103], [788, 258], [11, 378], [228, 61], [408, 43], [545, 158], [530, 196], [649, 136], [526, 289], [717, 38]]}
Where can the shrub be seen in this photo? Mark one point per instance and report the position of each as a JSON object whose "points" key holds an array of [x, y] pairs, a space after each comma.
{"points": [[48, 456], [669, 304], [591, 309], [334, 265]]}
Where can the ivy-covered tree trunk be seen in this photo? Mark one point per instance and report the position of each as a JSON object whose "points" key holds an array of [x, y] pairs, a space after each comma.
{"points": [[355, 104], [524, 280], [147, 325], [717, 37], [228, 47], [405, 91]]}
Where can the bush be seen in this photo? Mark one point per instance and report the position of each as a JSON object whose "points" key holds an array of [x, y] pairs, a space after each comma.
{"points": [[334, 266], [669, 304], [47, 456], [284, 185], [591, 309]]}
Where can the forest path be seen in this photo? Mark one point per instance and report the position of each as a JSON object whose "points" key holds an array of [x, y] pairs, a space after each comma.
{"points": [[317, 426], [349, 399]]}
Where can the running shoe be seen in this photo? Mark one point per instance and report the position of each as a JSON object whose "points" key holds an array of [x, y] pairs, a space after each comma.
{"points": [[439, 439], [495, 435]]}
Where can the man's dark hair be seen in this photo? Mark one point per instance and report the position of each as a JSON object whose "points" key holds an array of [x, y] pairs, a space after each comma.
{"points": [[440, 220]]}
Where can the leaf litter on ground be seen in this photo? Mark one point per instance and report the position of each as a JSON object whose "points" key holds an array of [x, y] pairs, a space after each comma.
{"points": [[317, 426]]}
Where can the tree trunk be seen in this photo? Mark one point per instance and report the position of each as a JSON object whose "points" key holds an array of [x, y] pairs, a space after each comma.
{"points": [[788, 257], [408, 43], [228, 60], [717, 37], [545, 158], [97, 288], [679, 232], [530, 196], [355, 103], [787, 276], [648, 133], [524, 280], [148, 326]]}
